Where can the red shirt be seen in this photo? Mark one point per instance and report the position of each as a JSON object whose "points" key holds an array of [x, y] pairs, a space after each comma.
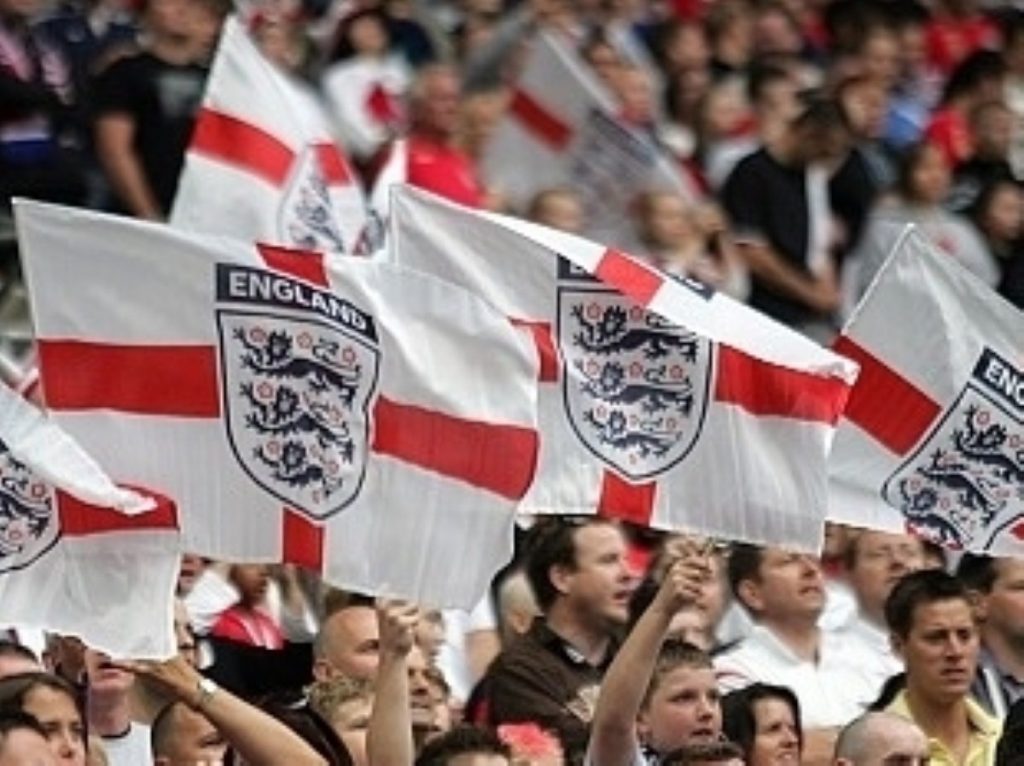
{"points": [[949, 131], [443, 170], [949, 41]]}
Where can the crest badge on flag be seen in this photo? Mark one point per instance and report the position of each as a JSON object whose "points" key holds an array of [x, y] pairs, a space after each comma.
{"points": [[297, 383], [636, 387], [307, 215], [28, 526], [933, 438], [969, 471]]}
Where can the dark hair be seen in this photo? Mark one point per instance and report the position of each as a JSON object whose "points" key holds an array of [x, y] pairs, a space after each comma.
{"points": [[461, 740], [973, 71], [977, 572], [761, 77], [890, 690], [14, 689], [13, 720], [927, 586], [744, 564], [821, 113], [10, 648], [739, 721], [907, 166], [550, 543], [702, 752]]}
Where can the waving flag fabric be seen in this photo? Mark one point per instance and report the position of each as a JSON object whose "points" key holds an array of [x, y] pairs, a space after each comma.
{"points": [[262, 164], [661, 402], [72, 559], [349, 416], [933, 438], [561, 130]]}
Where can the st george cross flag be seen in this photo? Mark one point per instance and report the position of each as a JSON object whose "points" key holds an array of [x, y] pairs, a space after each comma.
{"points": [[79, 555], [561, 130], [365, 96], [365, 421], [933, 437], [262, 164], [661, 401]]}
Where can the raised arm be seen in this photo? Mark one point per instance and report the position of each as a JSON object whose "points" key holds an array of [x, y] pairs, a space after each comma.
{"points": [[259, 738], [613, 739], [389, 739]]}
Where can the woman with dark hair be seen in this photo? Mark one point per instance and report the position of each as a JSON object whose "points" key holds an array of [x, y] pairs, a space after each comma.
{"points": [[923, 185], [54, 703], [999, 215], [764, 720]]}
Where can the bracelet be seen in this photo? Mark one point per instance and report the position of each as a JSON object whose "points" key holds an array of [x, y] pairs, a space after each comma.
{"points": [[205, 689]]}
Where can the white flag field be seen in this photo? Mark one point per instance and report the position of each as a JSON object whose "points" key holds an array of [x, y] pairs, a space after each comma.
{"points": [[933, 437], [560, 130], [661, 402], [262, 163], [78, 554], [367, 422]]}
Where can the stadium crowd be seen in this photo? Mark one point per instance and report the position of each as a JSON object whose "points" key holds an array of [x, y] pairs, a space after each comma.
{"points": [[811, 130]]}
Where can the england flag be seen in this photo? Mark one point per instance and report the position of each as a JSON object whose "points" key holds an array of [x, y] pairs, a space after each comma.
{"points": [[933, 438], [262, 164], [661, 402], [367, 422], [79, 555]]}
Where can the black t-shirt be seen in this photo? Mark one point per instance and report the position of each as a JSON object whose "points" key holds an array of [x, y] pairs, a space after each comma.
{"points": [[767, 201], [163, 99]]}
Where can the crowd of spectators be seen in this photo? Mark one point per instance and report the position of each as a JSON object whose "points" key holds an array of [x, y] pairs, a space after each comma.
{"points": [[813, 129]]}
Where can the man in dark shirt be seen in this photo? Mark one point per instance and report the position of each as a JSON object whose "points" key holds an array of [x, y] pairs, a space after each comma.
{"points": [[768, 199], [552, 675], [146, 105]]}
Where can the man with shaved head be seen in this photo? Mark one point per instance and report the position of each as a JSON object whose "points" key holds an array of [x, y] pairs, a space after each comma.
{"points": [[881, 739]]}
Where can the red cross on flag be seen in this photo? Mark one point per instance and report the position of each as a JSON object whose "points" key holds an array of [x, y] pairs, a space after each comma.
{"points": [[561, 129], [661, 401], [262, 164], [933, 437], [368, 422], [79, 555]]}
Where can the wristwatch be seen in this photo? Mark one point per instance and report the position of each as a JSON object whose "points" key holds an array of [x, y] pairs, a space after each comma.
{"points": [[205, 689]]}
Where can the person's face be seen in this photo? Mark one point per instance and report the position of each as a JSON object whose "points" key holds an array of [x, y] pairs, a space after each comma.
{"points": [[690, 625], [195, 741], [183, 634], [881, 560], [994, 134], [351, 641], [103, 677], [563, 212], [941, 650], [635, 96], [439, 109], [684, 709], [775, 737], [788, 583], [599, 586], [881, 57], [688, 48], [667, 221], [191, 567], [930, 178], [170, 17], [24, 747], [252, 581], [368, 35], [897, 744], [1003, 607], [421, 696], [57, 714], [1003, 219], [865, 106], [605, 61]]}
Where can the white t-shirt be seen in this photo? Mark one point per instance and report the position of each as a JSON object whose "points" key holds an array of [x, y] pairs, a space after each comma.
{"points": [[831, 691], [130, 749], [870, 651]]}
